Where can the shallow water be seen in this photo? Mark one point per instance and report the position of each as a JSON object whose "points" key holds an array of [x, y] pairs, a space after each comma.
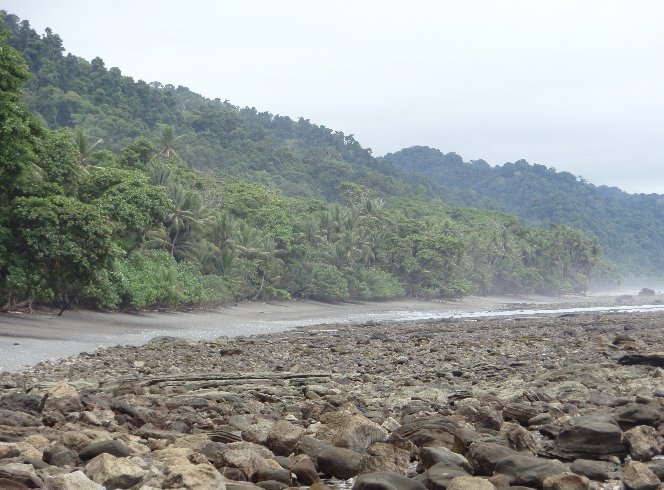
{"points": [[51, 338]]}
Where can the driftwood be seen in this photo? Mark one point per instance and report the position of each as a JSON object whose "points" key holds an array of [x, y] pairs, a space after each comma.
{"points": [[198, 381]]}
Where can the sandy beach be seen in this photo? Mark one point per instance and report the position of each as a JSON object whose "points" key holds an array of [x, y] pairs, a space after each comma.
{"points": [[28, 338]]}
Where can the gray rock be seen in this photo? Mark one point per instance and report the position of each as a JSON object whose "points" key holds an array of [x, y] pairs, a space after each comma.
{"points": [[435, 431], [590, 437], [440, 475], [114, 447], [18, 419], [638, 414], [386, 481], [21, 473], [470, 483], [112, 472], [304, 469], [483, 456], [530, 471], [70, 481], [637, 476], [283, 437], [430, 456], [354, 432], [642, 442], [595, 470], [60, 456], [566, 481], [340, 462]]}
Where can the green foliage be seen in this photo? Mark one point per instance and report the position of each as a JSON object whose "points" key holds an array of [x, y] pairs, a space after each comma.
{"points": [[328, 284], [155, 196]]}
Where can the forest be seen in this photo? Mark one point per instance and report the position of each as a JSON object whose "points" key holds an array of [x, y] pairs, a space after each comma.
{"points": [[117, 193]]}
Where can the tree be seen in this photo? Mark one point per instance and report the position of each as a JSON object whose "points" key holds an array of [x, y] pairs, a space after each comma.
{"points": [[64, 239]]}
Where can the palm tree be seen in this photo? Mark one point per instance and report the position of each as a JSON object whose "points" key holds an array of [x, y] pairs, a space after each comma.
{"points": [[83, 145]]}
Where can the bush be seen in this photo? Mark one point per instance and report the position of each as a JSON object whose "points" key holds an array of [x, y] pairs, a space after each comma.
{"points": [[380, 284], [328, 284]]}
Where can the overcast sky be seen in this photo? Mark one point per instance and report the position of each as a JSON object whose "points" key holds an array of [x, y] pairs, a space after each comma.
{"points": [[573, 84]]}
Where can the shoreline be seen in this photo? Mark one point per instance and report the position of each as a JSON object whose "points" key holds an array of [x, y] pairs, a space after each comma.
{"points": [[29, 338]]}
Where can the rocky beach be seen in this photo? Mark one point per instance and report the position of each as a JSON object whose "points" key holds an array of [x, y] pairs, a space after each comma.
{"points": [[562, 401]]}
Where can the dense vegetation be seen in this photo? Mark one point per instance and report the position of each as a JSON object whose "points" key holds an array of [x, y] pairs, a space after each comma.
{"points": [[100, 203], [629, 227]]}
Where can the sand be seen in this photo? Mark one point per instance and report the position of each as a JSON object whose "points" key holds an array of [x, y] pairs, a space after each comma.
{"points": [[28, 338]]}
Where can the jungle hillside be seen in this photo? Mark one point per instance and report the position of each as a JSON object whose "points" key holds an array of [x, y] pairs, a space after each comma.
{"points": [[116, 193]]}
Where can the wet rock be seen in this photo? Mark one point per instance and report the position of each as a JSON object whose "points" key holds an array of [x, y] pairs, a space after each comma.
{"points": [[283, 437], [429, 456], [9, 450], [642, 442], [437, 431], [529, 471], [637, 476], [249, 462], [61, 398], [638, 414], [470, 483], [193, 477], [60, 456], [484, 456], [304, 469], [70, 481], [566, 481], [21, 402], [595, 470], [112, 472], [354, 432], [21, 473], [385, 457], [386, 481], [519, 438], [274, 474], [590, 437], [18, 419], [114, 447], [440, 475], [339, 462]]}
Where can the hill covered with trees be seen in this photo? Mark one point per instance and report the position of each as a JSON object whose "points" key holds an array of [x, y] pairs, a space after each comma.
{"points": [[629, 227], [119, 193]]}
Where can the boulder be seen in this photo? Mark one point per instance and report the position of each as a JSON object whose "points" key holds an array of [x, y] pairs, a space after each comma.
{"points": [[60, 456], [566, 481], [354, 432], [437, 431], [70, 481], [340, 462], [9, 450], [429, 456], [529, 471], [61, 398], [483, 456], [111, 446], [635, 414], [470, 483], [637, 476], [595, 470], [386, 481], [113, 472], [193, 477], [642, 442], [440, 475], [21, 473], [304, 469], [591, 437], [283, 438], [249, 462], [11, 418], [384, 457]]}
